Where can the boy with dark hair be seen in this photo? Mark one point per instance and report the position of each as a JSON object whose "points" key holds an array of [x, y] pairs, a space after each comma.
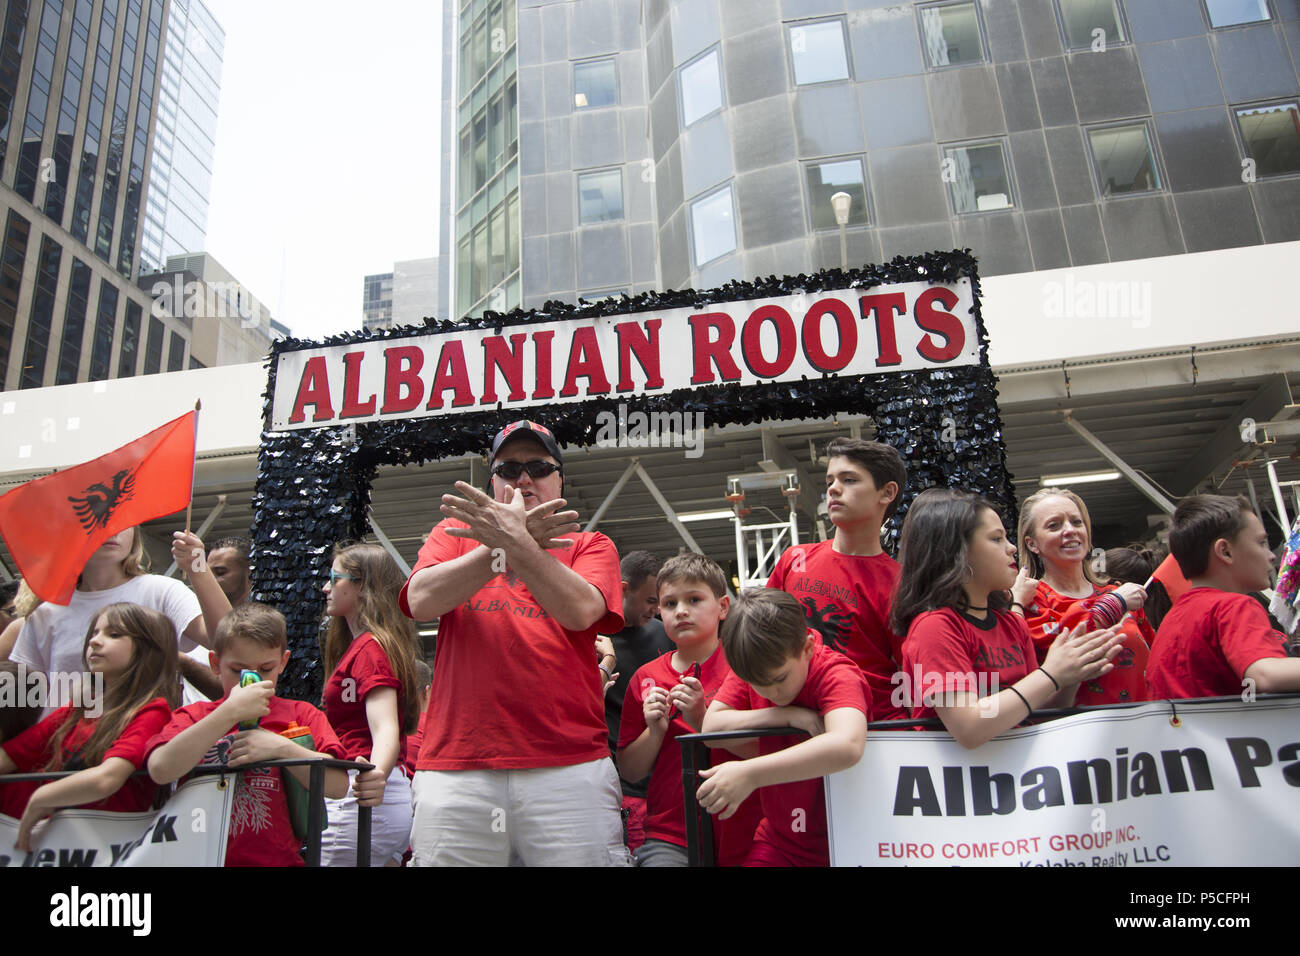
{"points": [[1217, 639], [844, 584], [251, 637], [668, 697], [642, 639], [783, 676]]}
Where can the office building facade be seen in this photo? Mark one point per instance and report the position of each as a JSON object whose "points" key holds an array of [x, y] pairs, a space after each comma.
{"points": [[78, 87], [184, 144], [605, 146]]}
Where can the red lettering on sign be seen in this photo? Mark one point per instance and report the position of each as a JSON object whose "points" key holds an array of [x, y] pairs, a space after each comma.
{"points": [[585, 362], [941, 323], [403, 387], [542, 345], [814, 349], [511, 363], [644, 344], [885, 306], [352, 408], [314, 390], [451, 373], [786, 341], [713, 351]]}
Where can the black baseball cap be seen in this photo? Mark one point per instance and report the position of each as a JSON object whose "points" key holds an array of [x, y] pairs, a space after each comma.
{"points": [[540, 433]]}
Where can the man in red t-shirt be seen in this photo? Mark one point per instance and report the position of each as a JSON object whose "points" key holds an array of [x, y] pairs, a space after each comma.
{"points": [[251, 637], [845, 584], [1216, 639], [782, 676], [515, 761]]}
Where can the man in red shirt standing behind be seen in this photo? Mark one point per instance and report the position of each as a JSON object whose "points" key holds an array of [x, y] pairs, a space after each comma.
{"points": [[844, 584], [515, 762]]}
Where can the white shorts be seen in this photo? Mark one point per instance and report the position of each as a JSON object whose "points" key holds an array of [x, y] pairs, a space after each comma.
{"points": [[549, 816], [390, 824]]}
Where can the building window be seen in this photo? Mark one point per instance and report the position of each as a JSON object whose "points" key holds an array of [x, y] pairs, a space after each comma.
{"points": [[701, 88], [1229, 13], [950, 34], [594, 85], [977, 178], [829, 177], [1091, 23], [713, 226], [154, 348], [600, 196], [1271, 135], [175, 353], [1123, 159], [101, 353], [74, 323], [13, 256], [41, 318], [819, 52], [130, 346]]}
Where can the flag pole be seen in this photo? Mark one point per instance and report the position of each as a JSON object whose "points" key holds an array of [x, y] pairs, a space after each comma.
{"points": [[189, 508]]}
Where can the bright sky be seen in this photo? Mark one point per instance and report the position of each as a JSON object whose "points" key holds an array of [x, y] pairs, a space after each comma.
{"points": [[327, 154]]}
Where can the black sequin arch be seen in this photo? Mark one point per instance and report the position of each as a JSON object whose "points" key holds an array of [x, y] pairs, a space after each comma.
{"points": [[313, 486]]}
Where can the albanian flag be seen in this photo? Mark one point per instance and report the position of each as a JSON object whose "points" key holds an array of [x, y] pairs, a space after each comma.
{"points": [[52, 525], [1171, 576]]}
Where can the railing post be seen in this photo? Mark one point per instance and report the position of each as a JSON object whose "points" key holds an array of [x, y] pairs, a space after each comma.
{"points": [[315, 796]]}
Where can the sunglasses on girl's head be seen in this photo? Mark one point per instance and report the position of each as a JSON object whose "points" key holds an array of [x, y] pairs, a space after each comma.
{"points": [[511, 470]]}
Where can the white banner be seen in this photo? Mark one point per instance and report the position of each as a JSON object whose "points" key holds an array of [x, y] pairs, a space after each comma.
{"points": [[888, 328], [190, 830], [1121, 787]]}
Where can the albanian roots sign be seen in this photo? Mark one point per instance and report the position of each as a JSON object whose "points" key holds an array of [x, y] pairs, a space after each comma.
{"points": [[895, 327], [1213, 785]]}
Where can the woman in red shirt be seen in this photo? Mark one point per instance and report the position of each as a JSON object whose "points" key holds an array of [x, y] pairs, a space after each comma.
{"points": [[1058, 588], [966, 658], [127, 697], [371, 700]]}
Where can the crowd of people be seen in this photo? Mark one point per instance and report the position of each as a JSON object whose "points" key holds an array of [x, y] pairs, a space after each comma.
{"points": [[546, 731]]}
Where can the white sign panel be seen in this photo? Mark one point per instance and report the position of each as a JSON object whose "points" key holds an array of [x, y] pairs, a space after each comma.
{"points": [[890, 328], [1122, 787], [191, 830]]}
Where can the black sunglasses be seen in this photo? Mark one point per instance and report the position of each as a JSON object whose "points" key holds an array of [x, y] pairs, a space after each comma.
{"points": [[511, 470]]}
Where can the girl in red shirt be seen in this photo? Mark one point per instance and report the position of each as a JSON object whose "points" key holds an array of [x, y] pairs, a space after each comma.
{"points": [[371, 700], [127, 697], [966, 658], [1058, 588]]}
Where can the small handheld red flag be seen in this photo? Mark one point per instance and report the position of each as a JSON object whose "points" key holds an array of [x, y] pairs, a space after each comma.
{"points": [[52, 525], [1171, 576]]}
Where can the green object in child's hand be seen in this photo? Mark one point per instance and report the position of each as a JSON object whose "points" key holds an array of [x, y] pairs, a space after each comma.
{"points": [[247, 677]]}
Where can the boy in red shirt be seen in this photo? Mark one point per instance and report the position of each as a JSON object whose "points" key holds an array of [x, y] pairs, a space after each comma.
{"points": [[1217, 639], [668, 697], [783, 676], [251, 637], [844, 584]]}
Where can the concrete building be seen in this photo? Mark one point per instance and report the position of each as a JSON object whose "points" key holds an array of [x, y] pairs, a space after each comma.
{"points": [[605, 146], [78, 85], [377, 301], [180, 175], [406, 296]]}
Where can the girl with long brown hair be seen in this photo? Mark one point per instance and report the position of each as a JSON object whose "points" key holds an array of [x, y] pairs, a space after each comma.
{"points": [[127, 696], [371, 699]]}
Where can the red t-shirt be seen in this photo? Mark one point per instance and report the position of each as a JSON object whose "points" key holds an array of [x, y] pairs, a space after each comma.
{"points": [[946, 651], [512, 689], [794, 814], [1050, 613], [260, 831], [846, 599], [665, 802], [30, 752], [1207, 641], [365, 665]]}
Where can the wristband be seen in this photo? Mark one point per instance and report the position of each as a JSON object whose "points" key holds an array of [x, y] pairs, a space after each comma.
{"points": [[1023, 701], [1052, 679], [605, 670], [1017, 604]]}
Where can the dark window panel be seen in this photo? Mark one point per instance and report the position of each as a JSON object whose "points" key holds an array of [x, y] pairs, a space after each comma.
{"points": [[176, 354], [129, 349], [153, 350], [41, 320], [13, 256], [101, 353], [74, 323]]}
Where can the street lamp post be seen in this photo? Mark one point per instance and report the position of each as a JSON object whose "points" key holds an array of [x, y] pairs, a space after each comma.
{"points": [[840, 202]]}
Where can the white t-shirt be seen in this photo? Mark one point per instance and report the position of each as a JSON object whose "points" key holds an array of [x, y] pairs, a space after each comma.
{"points": [[53, 637]]}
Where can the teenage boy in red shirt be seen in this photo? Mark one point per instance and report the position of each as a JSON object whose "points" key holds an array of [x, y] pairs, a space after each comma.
{"points": [[668, 697], [844, 584], [251, 637], [1217, 639], [783, 676]]}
